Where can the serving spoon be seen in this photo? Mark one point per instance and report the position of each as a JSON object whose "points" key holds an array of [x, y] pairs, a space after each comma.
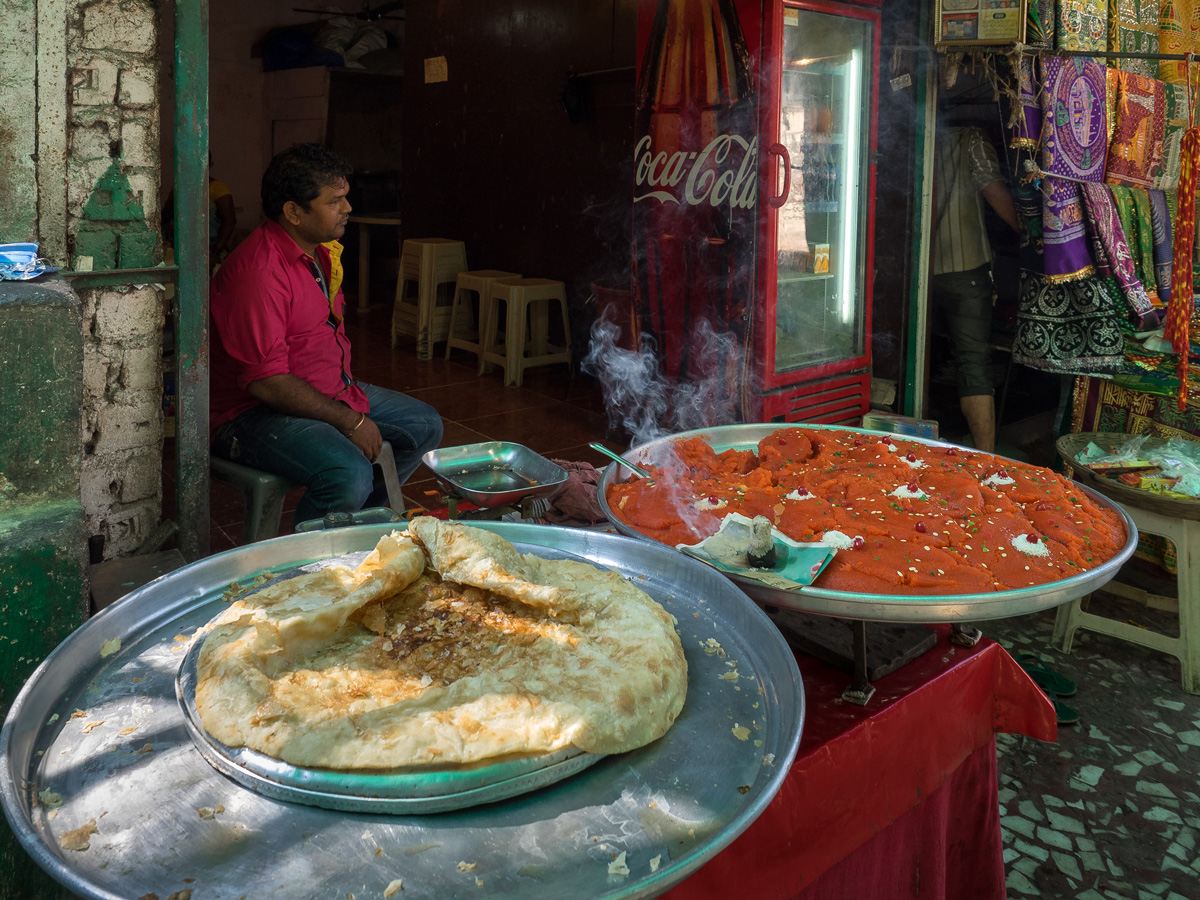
{"points": [[637, 470]]}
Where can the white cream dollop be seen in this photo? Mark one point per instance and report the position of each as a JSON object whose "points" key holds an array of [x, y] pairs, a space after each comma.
{"points": [[839, 540], [796, 495], [997, 479], [710, 503], [905, 494], [1030, 548]]}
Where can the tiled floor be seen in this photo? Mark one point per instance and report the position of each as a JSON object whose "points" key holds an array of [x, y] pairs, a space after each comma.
{"points": [[1110, 812]]}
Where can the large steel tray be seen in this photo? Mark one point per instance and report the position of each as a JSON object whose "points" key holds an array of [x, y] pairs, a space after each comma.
{"points": [[880, 607], [168, 821]]}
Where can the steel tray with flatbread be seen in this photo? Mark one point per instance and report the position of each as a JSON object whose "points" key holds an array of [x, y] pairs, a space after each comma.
{"points": [[161, 813], [494, 473]]}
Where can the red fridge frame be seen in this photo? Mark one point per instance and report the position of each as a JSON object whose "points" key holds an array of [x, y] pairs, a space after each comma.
{"points": [[835, 391]]}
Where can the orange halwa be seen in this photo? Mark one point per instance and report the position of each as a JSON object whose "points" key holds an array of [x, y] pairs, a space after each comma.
{"points": [[910, 517]]}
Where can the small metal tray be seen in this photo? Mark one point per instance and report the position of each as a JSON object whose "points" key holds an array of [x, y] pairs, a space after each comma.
{"points": [[494, 473], [410, 790]]}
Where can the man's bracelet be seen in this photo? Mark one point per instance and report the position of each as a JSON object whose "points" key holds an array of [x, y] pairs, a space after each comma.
{"points": [[362, 418]]}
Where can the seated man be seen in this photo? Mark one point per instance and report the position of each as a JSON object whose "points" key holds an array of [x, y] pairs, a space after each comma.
{"points": [[283, 398]]}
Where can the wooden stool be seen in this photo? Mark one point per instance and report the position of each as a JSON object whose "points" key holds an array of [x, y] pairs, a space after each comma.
{"points": [[1176, 519], [479, 282], [427, 264], [263, 492], [526, 329]]}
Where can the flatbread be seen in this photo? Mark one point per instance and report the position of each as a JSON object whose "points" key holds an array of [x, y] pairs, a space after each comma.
{"points": [[446, 645]]}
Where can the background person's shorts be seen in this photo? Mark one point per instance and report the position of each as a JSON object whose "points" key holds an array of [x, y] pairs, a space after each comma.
{"points": [[962, 301]]}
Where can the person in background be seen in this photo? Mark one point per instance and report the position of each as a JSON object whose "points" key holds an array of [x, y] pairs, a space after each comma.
{"points": [[222, 219], [283, 397], [967, 174]]}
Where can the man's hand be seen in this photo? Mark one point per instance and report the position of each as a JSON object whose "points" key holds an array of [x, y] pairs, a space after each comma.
{"points": [[367, 439], [293, 396]]}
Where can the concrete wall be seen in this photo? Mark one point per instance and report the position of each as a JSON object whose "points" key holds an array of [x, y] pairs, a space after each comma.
{"points": [[112, 212], [18, 112]]}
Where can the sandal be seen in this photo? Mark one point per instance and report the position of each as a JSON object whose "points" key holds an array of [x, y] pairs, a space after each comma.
{"points": [[1046, 678], [1064, 714]]}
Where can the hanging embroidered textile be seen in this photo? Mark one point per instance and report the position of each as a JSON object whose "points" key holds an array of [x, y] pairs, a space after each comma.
{"points": [[1039, 24], [1178, 32], [1081, 25], [1133, 28], [1133, 209], [1111, 248], [1135, 153], [1175, 123], [1071, 327], [1179, 313], [1074, 132], [1160, 224], [1027, 112]]}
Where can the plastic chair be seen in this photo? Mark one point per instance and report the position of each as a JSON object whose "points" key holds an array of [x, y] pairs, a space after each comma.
{"points": [[527, 320], [427, 264], [478, 282], [263, 493]]}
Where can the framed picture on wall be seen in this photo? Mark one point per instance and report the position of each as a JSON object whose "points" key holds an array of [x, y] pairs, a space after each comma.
{"points": [[978, 23]]}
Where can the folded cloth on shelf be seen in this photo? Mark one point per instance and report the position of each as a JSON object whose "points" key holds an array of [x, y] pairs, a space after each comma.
{"points": [[1074, 145]]}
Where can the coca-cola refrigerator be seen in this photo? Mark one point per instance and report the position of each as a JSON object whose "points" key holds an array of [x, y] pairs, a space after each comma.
{"points": [[754, 199]]}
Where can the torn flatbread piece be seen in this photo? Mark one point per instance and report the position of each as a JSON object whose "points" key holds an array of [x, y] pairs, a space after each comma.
{"points": [[447, 645]]}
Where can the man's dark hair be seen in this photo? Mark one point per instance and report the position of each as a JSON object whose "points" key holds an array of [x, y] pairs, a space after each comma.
{"points": [[299, 173]]}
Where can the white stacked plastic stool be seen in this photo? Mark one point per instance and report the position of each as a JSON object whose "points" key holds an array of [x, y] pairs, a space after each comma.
{"points": [[459, 334], [527, 325], [427, 264]]}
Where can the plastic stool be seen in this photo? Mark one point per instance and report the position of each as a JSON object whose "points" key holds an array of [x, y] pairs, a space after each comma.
{"points": [[1185, 534], [480, 282], [526, 327], [263, 492], [427, 264]]}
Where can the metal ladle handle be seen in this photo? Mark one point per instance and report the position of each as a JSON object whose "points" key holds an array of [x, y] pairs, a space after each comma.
{"points": [[637, 470]]}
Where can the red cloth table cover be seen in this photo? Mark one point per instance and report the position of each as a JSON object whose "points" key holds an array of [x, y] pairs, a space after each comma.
{"points": [[894, 799]]}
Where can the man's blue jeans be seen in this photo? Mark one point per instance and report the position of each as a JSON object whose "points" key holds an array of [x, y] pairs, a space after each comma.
{"points": [[338, 476]]}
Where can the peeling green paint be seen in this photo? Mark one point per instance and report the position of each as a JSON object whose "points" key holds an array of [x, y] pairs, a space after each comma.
{"points": [[113, 230]]}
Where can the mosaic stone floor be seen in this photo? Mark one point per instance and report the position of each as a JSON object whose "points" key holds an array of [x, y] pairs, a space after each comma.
{"points": [[1112, 810]]}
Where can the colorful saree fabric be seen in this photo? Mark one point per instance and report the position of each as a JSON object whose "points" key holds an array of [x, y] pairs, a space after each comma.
{"points": [[1070, 328], [1111, 248], [1160, 221], [1074, 132], [1133, 208], [1027, 116], [1081, 25], [1135, 153], [1133, 28], [1176, 122], [1178, 32]]}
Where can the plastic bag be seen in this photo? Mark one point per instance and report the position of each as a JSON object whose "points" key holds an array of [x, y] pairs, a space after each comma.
{"points": [[1128, 453], [20, 262]]}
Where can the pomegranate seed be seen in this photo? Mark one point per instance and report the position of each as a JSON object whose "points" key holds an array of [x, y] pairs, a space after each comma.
{"points": [[1003, 473], [1041, 507], [950, 451], [803, 492], [858, 543], [913, 486], [921, 527], [910, 456]]}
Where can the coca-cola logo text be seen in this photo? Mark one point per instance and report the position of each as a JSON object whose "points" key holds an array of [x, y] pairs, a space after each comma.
{"points": [[706, 175]]}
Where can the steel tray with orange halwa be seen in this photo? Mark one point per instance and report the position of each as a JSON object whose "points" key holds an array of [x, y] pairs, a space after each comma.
{"points": [[906, 517]]}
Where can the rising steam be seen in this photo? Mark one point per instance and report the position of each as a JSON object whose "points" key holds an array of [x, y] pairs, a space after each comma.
{"points": [[639, 398]]}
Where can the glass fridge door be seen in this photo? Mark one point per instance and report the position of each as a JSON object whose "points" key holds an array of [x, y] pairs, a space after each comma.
{"points": [[825, 124]]}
